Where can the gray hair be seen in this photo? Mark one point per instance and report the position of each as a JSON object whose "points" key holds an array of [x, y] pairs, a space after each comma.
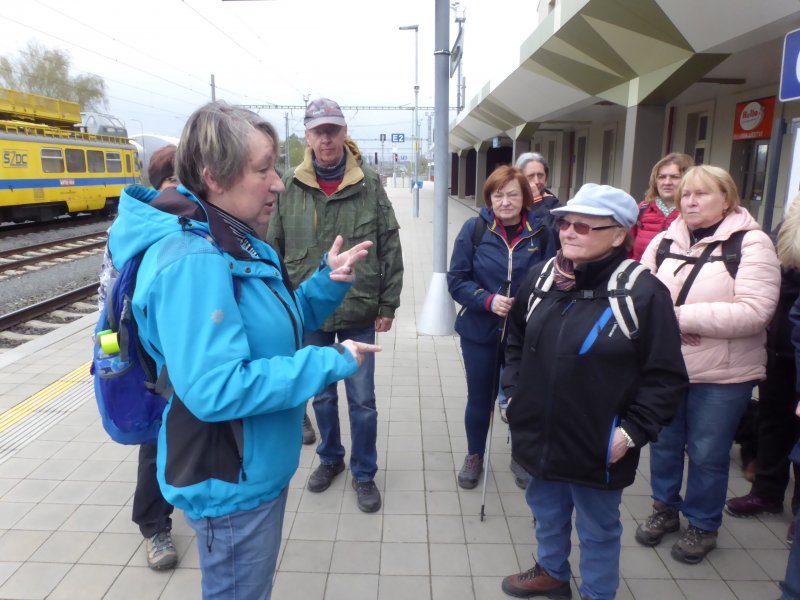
{"points": [[217, 137], [527, 157]]}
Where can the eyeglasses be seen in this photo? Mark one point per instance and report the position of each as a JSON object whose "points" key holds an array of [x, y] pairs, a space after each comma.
{"points": [[670, 177], [581, 228]]}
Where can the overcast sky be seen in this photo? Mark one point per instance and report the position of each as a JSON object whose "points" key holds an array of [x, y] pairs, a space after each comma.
{"points": [[157, 61]]}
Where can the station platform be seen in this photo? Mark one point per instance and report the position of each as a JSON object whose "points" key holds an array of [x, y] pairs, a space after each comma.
{"points": [[66, 489]]}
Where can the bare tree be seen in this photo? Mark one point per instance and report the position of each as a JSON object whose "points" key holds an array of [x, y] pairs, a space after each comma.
{"points": [[40, 70]]}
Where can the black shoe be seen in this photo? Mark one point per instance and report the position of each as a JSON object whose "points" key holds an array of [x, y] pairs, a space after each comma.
{"points": [[367, 496], [322, 477], [309, 437]]}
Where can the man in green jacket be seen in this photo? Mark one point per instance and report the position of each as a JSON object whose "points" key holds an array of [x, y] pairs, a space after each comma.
{"points": [[331, 192]]}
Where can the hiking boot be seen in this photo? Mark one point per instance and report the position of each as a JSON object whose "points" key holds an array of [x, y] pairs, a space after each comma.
{"points": [[309, 437], [368, 497], [521, 476], [471, 471], [694, 544], [536, 582], [322, 477], [751, 505], [664, 520], [161, 553]]}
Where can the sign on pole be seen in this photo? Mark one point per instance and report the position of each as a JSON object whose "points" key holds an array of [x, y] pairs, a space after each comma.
{"points": [[398, 138], [383, 137], [790, 68]]}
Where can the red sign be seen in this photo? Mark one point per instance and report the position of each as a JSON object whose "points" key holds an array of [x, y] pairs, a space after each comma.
{"points": [[754, 119]]}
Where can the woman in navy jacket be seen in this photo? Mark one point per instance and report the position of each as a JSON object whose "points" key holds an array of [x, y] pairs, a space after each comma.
{"points": [[491, 255]]}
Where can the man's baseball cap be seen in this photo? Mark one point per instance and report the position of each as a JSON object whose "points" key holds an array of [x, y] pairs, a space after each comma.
{"points": [[323, 111]]}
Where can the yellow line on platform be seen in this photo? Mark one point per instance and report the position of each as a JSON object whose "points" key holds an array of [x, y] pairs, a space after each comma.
{"points": [[15, 414]]}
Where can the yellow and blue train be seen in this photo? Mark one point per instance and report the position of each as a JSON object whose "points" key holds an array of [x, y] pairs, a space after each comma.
{"points": [[50, 167]]}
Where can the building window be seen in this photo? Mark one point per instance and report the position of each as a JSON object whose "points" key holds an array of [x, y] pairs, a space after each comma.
{"points": [[607, 159], [697, 136], [52, 160]]}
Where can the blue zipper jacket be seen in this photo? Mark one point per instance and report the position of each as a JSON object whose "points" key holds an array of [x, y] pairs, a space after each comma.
{"points": [[478, 272], [230, 332]]}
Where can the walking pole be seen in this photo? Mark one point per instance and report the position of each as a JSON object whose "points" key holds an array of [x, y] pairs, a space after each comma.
{"points": [[495, 387]]}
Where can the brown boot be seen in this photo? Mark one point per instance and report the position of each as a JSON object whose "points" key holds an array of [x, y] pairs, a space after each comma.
{"points": [[536, 582]]}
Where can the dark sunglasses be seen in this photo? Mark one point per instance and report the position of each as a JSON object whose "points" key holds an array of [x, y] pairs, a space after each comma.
{"points": [[580, 228]]}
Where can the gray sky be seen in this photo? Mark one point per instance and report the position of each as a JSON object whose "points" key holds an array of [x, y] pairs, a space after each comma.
{"points": [[157, 60]]}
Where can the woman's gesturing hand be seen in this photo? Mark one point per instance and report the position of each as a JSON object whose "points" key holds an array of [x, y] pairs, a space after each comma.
{"points": [[342, 263], [358, 349]]}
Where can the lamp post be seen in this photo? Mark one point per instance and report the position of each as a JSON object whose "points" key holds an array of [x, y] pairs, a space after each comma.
{"points": [[141, 129], [415, 185]]}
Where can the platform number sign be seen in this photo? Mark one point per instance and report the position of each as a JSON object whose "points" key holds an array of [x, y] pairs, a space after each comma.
{"points": [[790, 69], [398, 138]]}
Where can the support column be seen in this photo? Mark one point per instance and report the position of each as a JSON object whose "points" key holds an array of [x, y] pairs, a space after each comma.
{"points": [[481, 151], [462, 174], [522, 137], [644, 133]]}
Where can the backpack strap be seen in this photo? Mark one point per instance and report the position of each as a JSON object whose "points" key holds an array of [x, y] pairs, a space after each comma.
{"points": [[698, 264], [732, 252], [478, 228], [663, 251], [620, 285], [542, 285]]}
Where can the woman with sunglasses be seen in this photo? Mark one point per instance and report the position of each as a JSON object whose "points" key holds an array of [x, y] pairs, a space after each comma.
{"points": [[660, 207], [723, 315], [491, 255], [583, 396]]}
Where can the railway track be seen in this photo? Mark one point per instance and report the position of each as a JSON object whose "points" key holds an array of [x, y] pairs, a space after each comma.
{"points": [[19, 260], [37, 319], [20, 229]]}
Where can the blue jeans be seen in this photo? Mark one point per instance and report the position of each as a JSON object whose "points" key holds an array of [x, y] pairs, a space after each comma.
{"points": [[360, 390], [704, 425], [599, 531], [791, 582], [238, 552]]}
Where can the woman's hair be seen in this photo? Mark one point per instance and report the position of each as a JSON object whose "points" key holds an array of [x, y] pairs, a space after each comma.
{"points": [[217, 137], [714, 176], [161, 165], [500, 177], [789, 237], [527, 157], [682, 161]]}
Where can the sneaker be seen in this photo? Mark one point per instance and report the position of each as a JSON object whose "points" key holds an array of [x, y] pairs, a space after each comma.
{"points": [[664, 520], [752, 505], [161, 553], [322, 477], [536, 582], [521, 476], [368, 497], [471, 471], [503, 416], [694, 544], [309, 437], [790, 533]]}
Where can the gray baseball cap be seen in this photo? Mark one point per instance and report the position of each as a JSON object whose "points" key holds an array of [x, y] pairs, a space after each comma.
{"points": [[323, 111], [602, 201]]}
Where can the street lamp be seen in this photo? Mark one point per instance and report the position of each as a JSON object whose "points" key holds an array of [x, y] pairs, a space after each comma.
{"points": [[141, 129], [415, 185]]}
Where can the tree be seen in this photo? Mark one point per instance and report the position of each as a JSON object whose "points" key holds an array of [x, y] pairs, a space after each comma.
{"points": [[45, 71], [297, 150]]}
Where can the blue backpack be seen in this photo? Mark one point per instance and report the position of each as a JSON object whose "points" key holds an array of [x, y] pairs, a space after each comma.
{"points": [[130, 395]]}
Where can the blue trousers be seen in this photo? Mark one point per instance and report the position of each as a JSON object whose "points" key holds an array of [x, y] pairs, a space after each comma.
{"points": [[599, 531], [480, 363], [704, 425], [360, 390], [239, 552], [791, 582]]}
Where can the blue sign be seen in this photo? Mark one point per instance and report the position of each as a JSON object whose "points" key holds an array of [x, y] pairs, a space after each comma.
{"points": [[404, 157], [398, 138], [790, 69]]}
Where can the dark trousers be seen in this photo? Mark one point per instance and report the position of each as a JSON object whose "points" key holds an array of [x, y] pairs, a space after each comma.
{"points": [[777, 431], [481, 365], [150, 511]]}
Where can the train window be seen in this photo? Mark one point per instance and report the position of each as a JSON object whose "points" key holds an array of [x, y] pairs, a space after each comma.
{"points": [[76, 160], [52, 160], [97, 163], [127, 163], [114, 162]]}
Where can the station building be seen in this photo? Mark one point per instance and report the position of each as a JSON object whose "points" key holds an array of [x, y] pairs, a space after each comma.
{"points": [[604, 88]]}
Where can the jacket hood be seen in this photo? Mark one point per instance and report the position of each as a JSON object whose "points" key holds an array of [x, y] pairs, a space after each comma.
{"points": [[738, 219], [146, 216]]}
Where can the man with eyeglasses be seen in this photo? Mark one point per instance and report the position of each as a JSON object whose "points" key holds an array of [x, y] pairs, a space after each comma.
{"points": [[333, 192]]}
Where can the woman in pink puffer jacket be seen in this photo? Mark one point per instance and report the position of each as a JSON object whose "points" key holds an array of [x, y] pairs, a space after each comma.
{"points": [[723, 329]]}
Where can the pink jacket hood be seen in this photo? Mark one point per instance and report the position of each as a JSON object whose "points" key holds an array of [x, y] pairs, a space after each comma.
{"points": [[729, 316]]}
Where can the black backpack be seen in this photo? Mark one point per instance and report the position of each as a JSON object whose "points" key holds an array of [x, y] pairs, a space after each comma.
{"points": [[731, 255]]}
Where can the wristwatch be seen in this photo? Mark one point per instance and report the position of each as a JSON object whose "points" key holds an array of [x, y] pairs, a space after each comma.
{"points": [[628, 439]]}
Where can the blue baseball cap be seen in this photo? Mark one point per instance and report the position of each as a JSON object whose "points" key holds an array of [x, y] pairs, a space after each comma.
{"points": [[602, 201]]}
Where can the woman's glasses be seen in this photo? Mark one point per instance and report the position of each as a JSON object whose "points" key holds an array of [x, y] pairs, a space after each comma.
{"points": [[580, 228]]}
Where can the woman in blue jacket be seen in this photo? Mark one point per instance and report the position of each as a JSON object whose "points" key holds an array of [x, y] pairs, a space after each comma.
{"points": [[213, 305], [491, 255]]}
